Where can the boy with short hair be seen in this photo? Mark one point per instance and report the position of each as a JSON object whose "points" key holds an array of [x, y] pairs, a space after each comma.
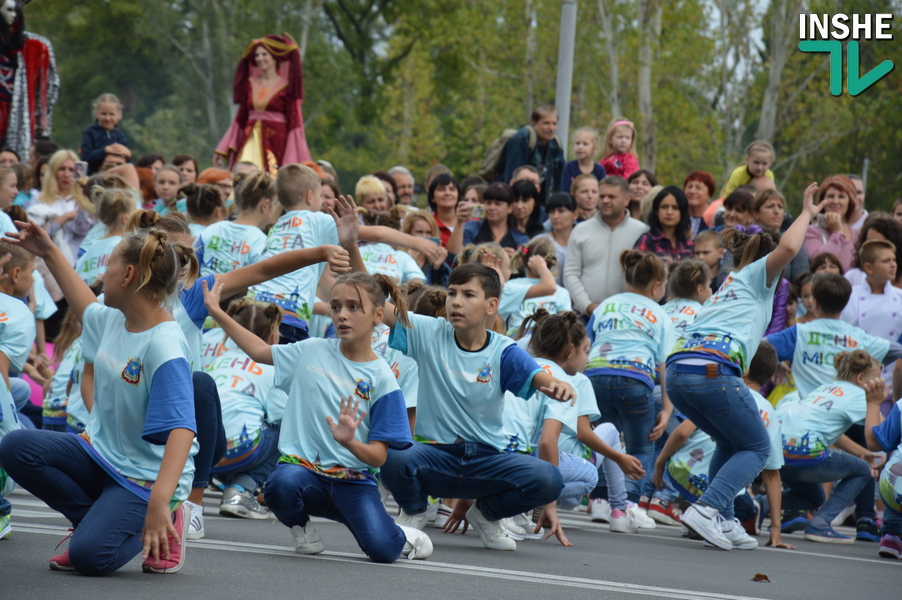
{"points": [[709, 250], [17, 334], [464, 372]]}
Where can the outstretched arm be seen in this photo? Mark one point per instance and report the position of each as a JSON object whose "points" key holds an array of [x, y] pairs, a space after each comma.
{"points": [[239, 280], [253, 346], [553, 388], [791, 242]]}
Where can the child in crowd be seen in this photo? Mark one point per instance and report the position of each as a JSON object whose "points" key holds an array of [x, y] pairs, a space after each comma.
{"points": [[166, 183], [709, 249], [886, 435], [131, 470], [244, 390], [704, 369], [562, 214], [620, 149], [113, 209], [586, 145], [759, 156], [459, 416], [205, 205], [522, 296], [24, 184], [229, 245], [631, 336], [585, 191], [810, 427], [8, 191], [382, 258], [330, 472], [103, 136], [66, 347]]}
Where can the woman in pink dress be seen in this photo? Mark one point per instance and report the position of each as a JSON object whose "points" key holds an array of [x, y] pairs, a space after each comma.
{"points": [[268, 129]]}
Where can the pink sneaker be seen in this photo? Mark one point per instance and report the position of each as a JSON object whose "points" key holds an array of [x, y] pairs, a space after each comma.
{"points": [[890, 546], [176, 558], [61, 562]]}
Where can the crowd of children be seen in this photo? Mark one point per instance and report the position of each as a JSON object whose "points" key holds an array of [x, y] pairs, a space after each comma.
{"points": [[309, 357]]}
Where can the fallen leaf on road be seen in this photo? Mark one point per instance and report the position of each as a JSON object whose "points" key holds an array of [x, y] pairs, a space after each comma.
{"points": [[761, 577]]}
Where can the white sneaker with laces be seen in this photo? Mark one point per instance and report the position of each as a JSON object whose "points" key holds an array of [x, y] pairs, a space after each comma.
{"points": [[513, 530], [418, 545], [417, 521], [442, 514], [622, 522], [843, 515], [600, 510], [529, 528], [306, 539], [196, 524], [736, 533], [490, 532], [641, 518], [703, 521]]}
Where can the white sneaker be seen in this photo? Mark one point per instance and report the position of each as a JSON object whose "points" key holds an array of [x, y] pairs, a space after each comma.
{"points": [[196, 524], [513, 531], [490, 532], [736, 533], [622, 522], [418, 545], [703, 521], [843, 515], [417, 521], [529, 528], [442, 514], [600, 510], [306, 539], [641, 518]]}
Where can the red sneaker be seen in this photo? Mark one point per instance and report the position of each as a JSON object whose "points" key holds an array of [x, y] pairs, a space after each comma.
{"points": [[643, 503], [61, 562], [665, 514], [176, 558]]}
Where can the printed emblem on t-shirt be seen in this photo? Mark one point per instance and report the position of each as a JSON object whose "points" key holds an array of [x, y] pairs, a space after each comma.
{"points": [[363, 389], [132, 371], [485, 374]]}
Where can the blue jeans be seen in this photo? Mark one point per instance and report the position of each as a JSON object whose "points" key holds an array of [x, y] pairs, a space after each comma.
{"points": [[294, 494], [503, 485], [252, 475], [669, 493], [211, 438], [288, 334], [627, 403], [580, 477], [806, 492], [29, 415], [108, 519], [723, 407]]}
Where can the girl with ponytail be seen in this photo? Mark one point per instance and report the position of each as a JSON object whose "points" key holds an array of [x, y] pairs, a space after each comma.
{"points": [[113, 208], [631, 336], [705, 368], [344, 410], [122, 483]]}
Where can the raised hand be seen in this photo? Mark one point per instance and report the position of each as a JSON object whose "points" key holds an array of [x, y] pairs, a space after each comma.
{"points": [[346, 220], [537, 264], [808, 204], [875, 391], [31, 237], [338, 259], [213, 297], [348, 421]]}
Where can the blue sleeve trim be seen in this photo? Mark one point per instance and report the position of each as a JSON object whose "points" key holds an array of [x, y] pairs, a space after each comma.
{"points": [[171, 403], [518, 369], [590, 328], [397, 339], [785, 343], [193, 300], [389, 423], [889, 433]]}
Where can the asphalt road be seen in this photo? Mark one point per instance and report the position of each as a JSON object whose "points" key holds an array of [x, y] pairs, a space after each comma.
{"points": [[255, 559]]}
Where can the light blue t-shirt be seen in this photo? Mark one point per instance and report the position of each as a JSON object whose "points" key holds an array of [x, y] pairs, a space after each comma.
{"points": [[397, 264], [514, 307], [524, 418], [56, 399], [243, 387], [196, 229], [213, 345], [682, 312], [78, 415], [586, 406], [404, 368], [811, 347], [9, 417], [92, 264], [226, 246], [17, 331], [44, 306], [294, 292], [6, 225], [97, 231], [142, 391], [814, 423], [461, 392], [774, 431], [316, 376], [631, 335]]}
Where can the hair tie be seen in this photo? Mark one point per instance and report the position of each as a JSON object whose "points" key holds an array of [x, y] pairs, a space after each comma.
{"points": [[749, 229], [630, 123]]}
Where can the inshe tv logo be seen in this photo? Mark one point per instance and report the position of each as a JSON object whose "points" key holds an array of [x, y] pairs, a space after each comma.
{"points": [[825, 33]]}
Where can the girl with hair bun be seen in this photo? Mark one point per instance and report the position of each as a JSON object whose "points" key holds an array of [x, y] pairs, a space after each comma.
{"points": [[123, 482], [205, 205], [244, 390], [331, 450], [810, 427], [521, 297], [705, 367], [229, 245], [631, 336]]}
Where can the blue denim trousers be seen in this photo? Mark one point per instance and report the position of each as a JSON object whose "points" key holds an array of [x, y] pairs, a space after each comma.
{"points": [[503, 485], [627, 403], [108, 519], [806, 492], [580, 477], [295, 493], [723, 407], [211, 438], [252, 475]]}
